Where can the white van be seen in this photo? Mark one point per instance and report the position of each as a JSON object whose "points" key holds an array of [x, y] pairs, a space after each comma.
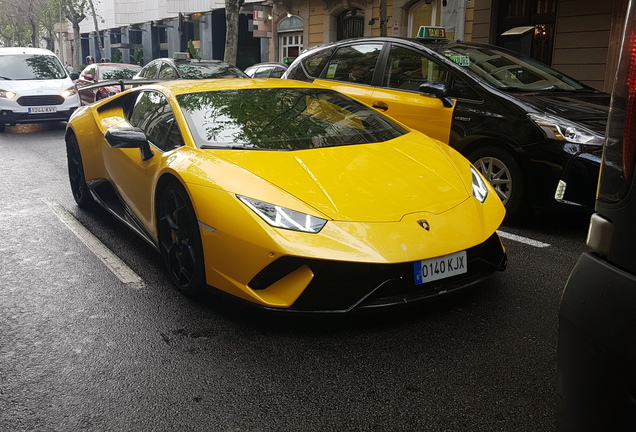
{"points": [[34, 87]]}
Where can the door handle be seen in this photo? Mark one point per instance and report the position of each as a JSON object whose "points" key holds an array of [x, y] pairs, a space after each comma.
{"points": [[382, 107]]}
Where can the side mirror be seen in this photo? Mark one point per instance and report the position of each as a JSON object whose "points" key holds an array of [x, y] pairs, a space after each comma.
{"points": [[88, 77], [130, 138], [438, 90], [74, 76]]}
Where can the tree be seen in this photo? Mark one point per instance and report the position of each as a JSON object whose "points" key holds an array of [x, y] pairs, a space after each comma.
{"points": [[99, 39], [74, 11], [232, 8]]}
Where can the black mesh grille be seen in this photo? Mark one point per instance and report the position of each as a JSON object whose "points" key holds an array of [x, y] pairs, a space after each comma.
{"points": [[40, 100], [342, 285]]}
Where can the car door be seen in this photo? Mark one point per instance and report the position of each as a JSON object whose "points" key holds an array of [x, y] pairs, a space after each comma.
{"points": [[133, 177], [398, 95], [350, 70]]}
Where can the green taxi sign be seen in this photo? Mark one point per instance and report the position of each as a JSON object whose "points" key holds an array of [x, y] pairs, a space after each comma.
{"points": [[432, 32]]}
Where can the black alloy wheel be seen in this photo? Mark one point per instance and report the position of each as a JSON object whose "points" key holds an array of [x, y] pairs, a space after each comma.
{"points": [[180, 240], [79, 187]]}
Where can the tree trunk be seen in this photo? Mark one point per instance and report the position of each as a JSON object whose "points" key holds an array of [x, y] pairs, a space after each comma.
{"points": [[99, 39], [232, 8]]}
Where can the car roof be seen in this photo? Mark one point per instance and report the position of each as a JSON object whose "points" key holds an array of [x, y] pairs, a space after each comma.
{"points": [[190, 60], [25, 50], [178, 87], [126, 65], [268, 64], [415, 42]]}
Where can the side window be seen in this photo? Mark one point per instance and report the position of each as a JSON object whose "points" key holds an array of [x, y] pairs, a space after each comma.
{"points": [[460, 89], [314, 64], [276, 72], [354, 63], [167, 72], [153, 114], [151, 71], [262, 72], [408, 69]]}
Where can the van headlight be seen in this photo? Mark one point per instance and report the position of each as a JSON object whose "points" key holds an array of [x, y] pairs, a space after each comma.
{"points": [[7, 94], [281, 217], [561, 129], [69, 92]]}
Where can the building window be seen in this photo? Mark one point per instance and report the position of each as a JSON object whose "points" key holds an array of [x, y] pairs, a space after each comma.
{"points": [[350, 24], [291, 44], [290, 37], [538, 16]]}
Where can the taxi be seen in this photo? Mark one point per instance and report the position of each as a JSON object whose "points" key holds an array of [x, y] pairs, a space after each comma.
{"points": [[533, 132]]}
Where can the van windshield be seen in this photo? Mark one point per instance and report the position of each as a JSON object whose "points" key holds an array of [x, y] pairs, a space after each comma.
{"points": [[31, 67]]}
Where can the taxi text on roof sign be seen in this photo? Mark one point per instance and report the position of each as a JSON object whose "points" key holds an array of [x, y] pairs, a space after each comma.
{"points": [[431, 32]]}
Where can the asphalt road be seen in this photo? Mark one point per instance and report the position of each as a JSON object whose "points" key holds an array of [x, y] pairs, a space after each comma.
{"points": [[89, 344]]}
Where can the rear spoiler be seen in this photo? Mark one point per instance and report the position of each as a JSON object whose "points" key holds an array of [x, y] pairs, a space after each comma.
{"points": [[122, 83]]}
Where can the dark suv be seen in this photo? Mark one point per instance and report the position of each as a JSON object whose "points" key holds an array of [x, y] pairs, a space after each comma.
{"points": [[596, 355], [535, 133]]}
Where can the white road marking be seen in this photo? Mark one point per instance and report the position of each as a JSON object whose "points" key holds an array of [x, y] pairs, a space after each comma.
{"points": [[124, 273], [524, 240]]}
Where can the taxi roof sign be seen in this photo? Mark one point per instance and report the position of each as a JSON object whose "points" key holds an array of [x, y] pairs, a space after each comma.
{"points": [[432, 32], [180, 56]]}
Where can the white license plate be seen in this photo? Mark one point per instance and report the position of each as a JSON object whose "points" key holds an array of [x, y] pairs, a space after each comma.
{"points": [[433, 269], [40, 110]]}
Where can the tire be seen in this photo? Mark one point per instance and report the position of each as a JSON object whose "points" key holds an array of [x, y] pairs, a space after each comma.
{"points": [[79, 187], [502, 171], [180, 240], [2, 126]]}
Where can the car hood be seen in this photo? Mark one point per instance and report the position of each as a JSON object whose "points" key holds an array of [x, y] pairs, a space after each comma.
{"points": [[369, 182], [587, 108], [31, 87]]}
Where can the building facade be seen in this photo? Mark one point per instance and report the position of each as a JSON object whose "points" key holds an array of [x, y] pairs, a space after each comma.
{"points": [[578, 37]]}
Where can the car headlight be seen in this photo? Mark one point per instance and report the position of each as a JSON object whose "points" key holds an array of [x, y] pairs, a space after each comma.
{"points": [[281, 217], [7, 94], [69, 92], [565, 130], [480, 190]]}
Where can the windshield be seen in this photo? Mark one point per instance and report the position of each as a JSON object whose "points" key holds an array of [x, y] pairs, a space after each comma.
{"points": [[209, 70], [118, 72], [507, 71], [31, 67], [282, 119]]}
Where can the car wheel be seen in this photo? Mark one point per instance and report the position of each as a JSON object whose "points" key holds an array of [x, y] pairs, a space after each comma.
{"points": [[502, 170], [180, 239], [2, 126], [81, 193]]}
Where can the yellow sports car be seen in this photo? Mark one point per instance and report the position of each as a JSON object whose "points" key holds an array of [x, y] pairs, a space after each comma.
{"points": [[285, 194]]}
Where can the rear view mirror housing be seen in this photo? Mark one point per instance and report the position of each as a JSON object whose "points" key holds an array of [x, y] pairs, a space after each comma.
{"points": [[438, 90], [130, 138]]}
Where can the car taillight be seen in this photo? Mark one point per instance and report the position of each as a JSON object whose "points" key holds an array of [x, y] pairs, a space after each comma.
{"points": [[629, 137]]}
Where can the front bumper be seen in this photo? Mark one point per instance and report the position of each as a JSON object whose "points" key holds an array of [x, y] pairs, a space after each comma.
{"points": [[563, 176], [345, 286], [13, 117]]}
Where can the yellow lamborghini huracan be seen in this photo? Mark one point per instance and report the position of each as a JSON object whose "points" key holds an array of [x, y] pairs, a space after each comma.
{"points": [[285, 194]]}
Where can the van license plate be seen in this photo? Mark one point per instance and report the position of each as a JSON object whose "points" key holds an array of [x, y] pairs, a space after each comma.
{"points": [[40, 110], [433, 269]]}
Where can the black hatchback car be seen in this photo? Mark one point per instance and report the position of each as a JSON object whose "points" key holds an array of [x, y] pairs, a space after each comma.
{"points": [[184, 67], [535, 133]]}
